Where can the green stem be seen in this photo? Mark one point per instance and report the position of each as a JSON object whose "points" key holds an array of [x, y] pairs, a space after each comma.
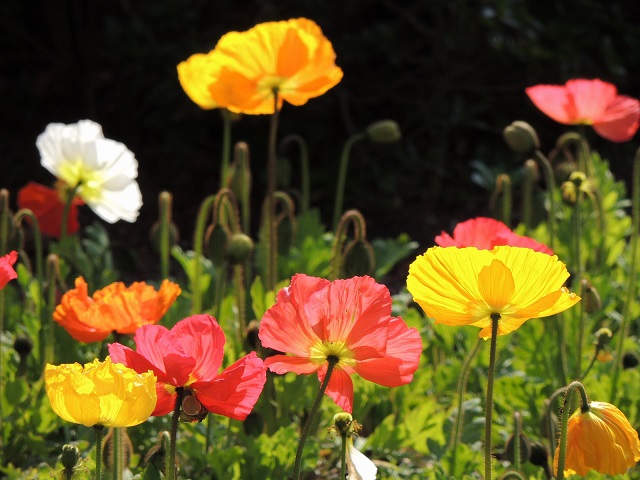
{"points": [[495, 319], [198, 241], [271, 247], [99, 429], [566, 406], [342, 176], [517, 430], [581, 321], [117, 459], [359, 234], [631, 277], [343, 455], [577, 249], [462, 388], [304, 169], [164, 199], [71, 194], [332, 361], [551, 185], [528, 181], [171, 458], [226, 147], [48, 349], [591, 363]]}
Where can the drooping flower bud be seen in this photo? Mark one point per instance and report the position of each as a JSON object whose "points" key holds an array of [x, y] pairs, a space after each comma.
{"points": [[521, 137], [591, 298], [629, 360], [216, 244], [384, 131], [358, 259], [240, 248]]}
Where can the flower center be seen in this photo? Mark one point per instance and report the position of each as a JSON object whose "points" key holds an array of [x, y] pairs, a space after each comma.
{"points": [[321, 351], [89, 182]]}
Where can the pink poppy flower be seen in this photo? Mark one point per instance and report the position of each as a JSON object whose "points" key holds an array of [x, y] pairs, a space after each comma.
{"points": [[485, 233], [347, 320], [47, 205], [189, 356], [7, 273], [589, 102]]}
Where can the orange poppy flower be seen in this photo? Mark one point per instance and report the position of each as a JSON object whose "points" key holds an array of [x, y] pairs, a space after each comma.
{"points": [[600, 438], [242, 72], [115, 308], [589, 102], [47, 205]]}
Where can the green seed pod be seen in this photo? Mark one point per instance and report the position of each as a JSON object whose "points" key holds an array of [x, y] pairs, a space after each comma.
{"points": [[358, 259], [521, 137], [216, 244], [240, 248], [343, 421], [384, 131]]}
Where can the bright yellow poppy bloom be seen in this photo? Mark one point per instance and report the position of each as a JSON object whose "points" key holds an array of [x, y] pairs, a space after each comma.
{"points": [[467, 286], [601, 439], [242, 72], [100, 393]]}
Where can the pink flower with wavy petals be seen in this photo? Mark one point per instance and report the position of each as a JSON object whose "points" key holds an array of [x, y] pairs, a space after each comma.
{"points": [[589, 102], [189, 356], [347, 320], [7, 273]]}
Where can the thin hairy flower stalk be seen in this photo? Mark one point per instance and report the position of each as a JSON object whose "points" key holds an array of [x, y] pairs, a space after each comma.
{"points": [[171, 458], [99, 429], [355, 218], [270, 214], [495, 319], [517, 430], [240, 294], [631, 276], [342, 176], [528, 182], [596, 199], [198, 241], [581, 321], [70, 195], [564, 421], [343, 454], [37, 240], [53, 274], [551, 186], [503, 191], [591, 364], [164, 200], [226, 147], [304, 168], [462, 388], [578, 272], [550, 423], [312, 416], [117, 458]]}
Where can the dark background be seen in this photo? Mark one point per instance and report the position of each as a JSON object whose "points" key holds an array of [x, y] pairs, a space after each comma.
{"points": [[451, 73]]}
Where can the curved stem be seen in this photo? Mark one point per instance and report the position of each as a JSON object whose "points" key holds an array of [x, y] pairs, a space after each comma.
{"points": [[99, 429], [495, 318], [462, 388], [342, 176], [198, 241], [171, 458], [312, 415], [566, 406]]}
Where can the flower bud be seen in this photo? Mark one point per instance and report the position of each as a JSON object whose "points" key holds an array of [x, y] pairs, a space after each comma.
{"points": [[359, 259], [240, 172], [70, 456], [240, 248], [155, 235], [23, 345], [509, 449], [591, 299], [216, 244], [569, 192], [540, 457], [603, 337], [384, 131], [521, 137], [629, 360]]}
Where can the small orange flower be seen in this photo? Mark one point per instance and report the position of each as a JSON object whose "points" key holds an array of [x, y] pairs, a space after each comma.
{"points": [[115, 308], [242, 72], [600, 438]]}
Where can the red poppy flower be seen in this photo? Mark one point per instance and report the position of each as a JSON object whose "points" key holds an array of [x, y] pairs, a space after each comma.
{"points": [[47, 205], [7, 273], [349, 320], [589, 102], [486, 233], [190, 355]]}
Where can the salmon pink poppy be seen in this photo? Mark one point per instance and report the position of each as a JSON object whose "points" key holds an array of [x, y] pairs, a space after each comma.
{"points": [[7, 273], [589, 102], [47, 205], [347, 322], [189, 356], [486, 233]]}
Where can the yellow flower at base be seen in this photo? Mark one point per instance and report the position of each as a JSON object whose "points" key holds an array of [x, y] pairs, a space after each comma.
{"points": [[466, 286], [100, 393], [601, 439], [242, 72]]}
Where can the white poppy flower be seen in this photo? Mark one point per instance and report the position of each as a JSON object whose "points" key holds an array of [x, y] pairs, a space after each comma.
{"points": [[359, 467], [102, 170]]}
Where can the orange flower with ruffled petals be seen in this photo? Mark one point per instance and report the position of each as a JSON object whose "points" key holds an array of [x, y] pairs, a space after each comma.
{"points": [[115, 308], [291, 57]]}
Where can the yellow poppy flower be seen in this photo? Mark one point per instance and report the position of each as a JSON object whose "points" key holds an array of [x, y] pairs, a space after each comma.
{"points": [[467, 286], [242, 72], [100, 393], [601, 439]]}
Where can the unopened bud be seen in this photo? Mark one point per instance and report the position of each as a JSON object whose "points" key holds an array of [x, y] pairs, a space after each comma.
{"points": [[384, 131], [359, 259], [240, 172], [23, 345], [70, 456], [216, 244], [540, 456], [525, 449], [563, 170], [629, 360], [240, 248], [155, 235], [591, 299], [521, 137]]}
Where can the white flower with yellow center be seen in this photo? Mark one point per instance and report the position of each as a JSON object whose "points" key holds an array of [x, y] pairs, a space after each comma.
{"points": [[102, 171]]}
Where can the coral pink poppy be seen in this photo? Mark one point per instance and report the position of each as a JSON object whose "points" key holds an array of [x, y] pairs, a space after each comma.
{"points": [[47, 205], [486, 233], [189, 356], [7, 273], [347, 321], [589, 102]]}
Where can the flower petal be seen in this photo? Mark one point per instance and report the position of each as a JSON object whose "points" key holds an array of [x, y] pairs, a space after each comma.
{"points": [[620, 121], [7, 272], [282, 364], [340, 387], [202, 339]]}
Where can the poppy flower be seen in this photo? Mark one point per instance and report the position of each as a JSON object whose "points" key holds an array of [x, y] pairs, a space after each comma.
{"points": [[486, 233], [242, 72], [102, 171], [599, 438], [100, 393], [348, 320], [189, 356], [7, 273], [466, 286], [589, 102], [115, 308], [48, 206]]}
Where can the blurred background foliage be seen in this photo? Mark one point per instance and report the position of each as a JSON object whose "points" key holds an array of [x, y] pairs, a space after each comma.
{"points": [[452, 73]]}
